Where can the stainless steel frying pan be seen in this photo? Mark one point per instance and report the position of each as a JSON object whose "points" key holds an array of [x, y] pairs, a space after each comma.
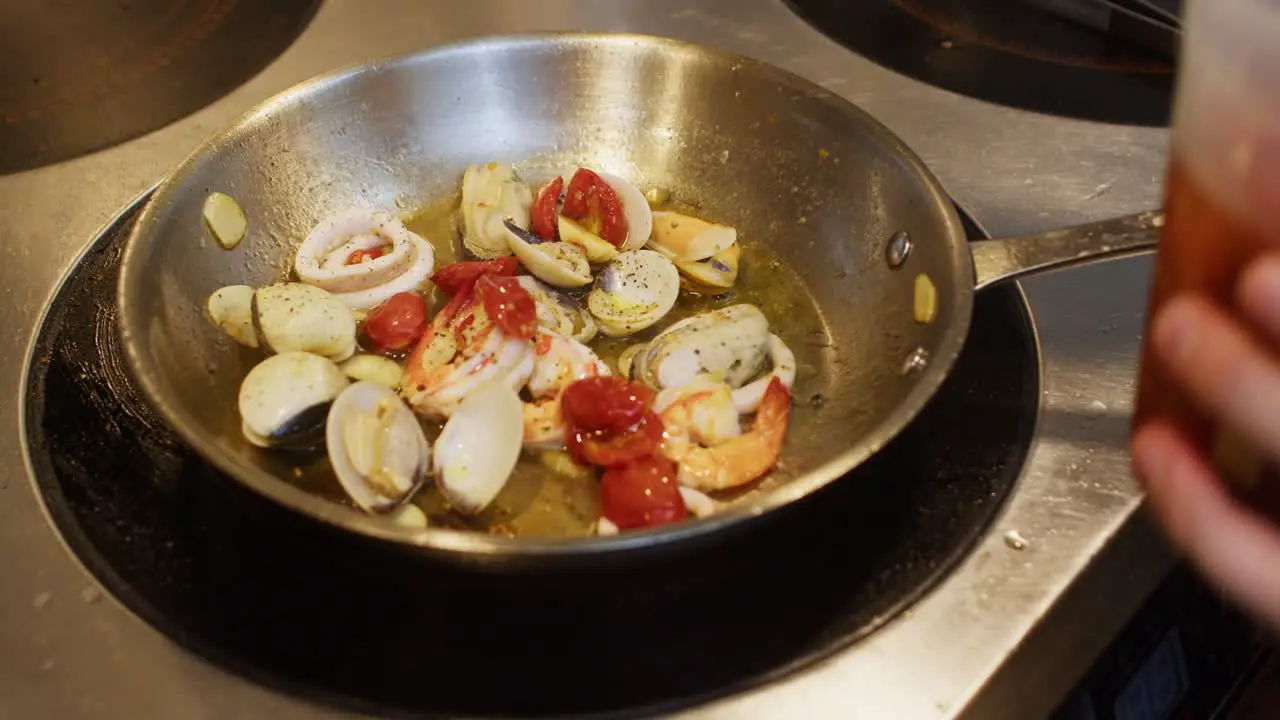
{"points": [[833, 192]]}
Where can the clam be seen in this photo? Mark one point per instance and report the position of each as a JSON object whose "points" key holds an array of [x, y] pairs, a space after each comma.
{"points": [[560, 264], [373, 368], [491, 194], [636, 207], [285, 399], [593, 246], [391, 259], [231, 308], [627, 358], [688, 239], [558, 312], [633, 292], [714, 275], [298, 317], [479, 446], [729, 343], [376, 447], [747, 398]]}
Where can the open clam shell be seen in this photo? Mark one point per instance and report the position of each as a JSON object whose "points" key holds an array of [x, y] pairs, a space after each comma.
{"points": [[560, 264], [558, 312], [479, 447], [376, 446], [636, 207], [633, 292], [714, 275], [689, 239]]}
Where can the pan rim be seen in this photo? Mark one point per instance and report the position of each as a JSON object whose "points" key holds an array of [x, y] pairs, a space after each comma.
{"points": [[144, 236]]}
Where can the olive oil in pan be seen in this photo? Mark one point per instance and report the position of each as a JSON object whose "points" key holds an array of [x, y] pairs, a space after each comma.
{"points": [[546, 495]]}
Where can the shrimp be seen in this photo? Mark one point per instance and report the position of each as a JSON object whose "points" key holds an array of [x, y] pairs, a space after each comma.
{"points": [[460, 351], [558, 361], [710, 452]]}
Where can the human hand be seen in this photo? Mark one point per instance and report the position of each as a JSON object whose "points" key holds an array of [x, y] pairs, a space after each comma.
{"points": [[1235, 377]]}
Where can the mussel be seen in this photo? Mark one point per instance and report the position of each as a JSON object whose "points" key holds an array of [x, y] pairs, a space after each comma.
{"points": [[633, 292], [284, 400], [376, 446], [491, 193]]}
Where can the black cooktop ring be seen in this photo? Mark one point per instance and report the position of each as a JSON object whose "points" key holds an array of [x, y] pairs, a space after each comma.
{"points": [[1003, 51], [76, 82], [310, 610]]}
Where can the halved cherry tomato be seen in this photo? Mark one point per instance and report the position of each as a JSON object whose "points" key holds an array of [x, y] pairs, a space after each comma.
{"points": [[543, 214], [642, 494], [397, 323], [616, 447], [460, 276], [508, 305], [605, 402], [594, 204], [360, 256]]}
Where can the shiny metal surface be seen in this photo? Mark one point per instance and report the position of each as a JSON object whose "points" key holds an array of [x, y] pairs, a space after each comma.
{"points": [[698, 123], [978, 641], [1013, 258]]}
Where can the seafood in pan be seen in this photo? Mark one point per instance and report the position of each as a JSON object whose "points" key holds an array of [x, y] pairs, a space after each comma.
{"points": [[561, 339]]}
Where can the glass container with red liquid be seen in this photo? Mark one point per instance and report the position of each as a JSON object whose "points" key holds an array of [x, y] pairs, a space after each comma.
{"points": [[1222, 205]]}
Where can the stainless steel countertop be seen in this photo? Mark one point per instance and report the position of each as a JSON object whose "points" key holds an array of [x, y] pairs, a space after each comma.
{"points": [[1006, 635]]}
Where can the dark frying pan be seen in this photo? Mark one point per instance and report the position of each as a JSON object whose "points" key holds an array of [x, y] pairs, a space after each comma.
{"points": [[745, 141]]}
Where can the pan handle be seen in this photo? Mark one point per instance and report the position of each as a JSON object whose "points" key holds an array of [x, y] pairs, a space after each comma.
{"points": [[1011, 258]]}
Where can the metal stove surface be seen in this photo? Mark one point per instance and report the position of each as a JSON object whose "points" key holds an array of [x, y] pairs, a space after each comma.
{"points": [[1005, 635]]}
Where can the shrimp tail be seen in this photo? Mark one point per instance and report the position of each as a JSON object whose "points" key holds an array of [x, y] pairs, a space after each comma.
{"points": [[746, 457]]}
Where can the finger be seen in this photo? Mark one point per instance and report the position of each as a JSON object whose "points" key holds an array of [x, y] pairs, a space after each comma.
{"points": [[1258, 295], [1223, 368], [1230, 544]]}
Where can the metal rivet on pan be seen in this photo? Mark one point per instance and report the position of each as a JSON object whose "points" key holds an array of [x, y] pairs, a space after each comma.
{"points": [[918, 360], [899, 247]]}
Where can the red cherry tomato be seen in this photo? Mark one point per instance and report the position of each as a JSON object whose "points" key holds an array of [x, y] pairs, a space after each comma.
{"points": [[460, 276], [593, 203], [543, 215], [616, 447], [397, 323], [360, 256], [508, 305], [642, 494], [605, 402]]}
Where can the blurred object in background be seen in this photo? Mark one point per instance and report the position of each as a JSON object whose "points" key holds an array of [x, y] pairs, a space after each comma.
{"points": [[1154, 25], [79, 77]]}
